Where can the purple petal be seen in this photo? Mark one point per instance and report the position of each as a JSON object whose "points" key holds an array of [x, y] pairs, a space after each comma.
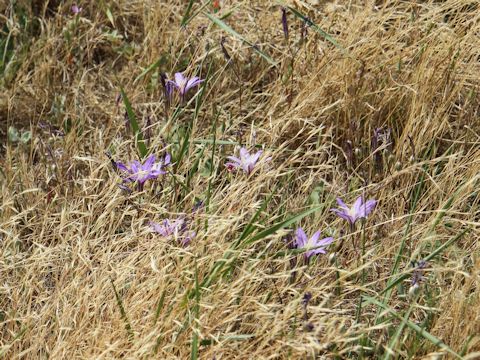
{"points": [[244, 154], [169, 85], [301, 238], [188, 238], [367, 208], [254, 158], [343, 215], [75, 9], [149, 162], [314, 239], [357, 206], [325, 242], [135, 167], [342, 204], [158, 228], [235, 160], [167, 159], [121, 166], [179, 79], [192, 83]]}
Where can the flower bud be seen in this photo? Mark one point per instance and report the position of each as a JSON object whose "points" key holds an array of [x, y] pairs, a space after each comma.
{"points": [[332, 258], [414, 290]]}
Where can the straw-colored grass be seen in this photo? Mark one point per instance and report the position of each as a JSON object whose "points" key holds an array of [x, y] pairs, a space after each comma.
{"points": [[82, 276]]}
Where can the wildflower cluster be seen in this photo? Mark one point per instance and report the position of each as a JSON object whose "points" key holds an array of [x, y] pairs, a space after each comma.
{"points": [[136, 172], [314, 245]]}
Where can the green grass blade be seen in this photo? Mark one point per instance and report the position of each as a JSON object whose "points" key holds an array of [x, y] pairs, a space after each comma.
{"points": [[187, 13], [399, 254], [190, 18], [249, 228], [194, 350], [159, 307], [142, 148], [123, 313], [228, 29], [281, 225], [149, 69], [228, 255], [315, 27], [398, 333], [425, 334], [431, 256]]}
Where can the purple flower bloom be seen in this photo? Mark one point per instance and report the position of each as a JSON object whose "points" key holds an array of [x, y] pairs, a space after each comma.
{"points": [[417, 275], [75, 9], [314, 245], [140, 173], [359, 210], [177, 228], [246, 161], [183, 84]]}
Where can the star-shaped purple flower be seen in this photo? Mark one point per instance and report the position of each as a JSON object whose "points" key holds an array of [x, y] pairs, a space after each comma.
{"points": [[140, 173], [314, 245], [182, 84], [246, 162], [177, 228], [359, 210]]}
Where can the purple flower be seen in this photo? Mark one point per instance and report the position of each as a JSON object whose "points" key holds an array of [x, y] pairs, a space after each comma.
{"points": [[177, 228], [246, 161], [359, 210], [182, 84], [314, 245], [75, 9], [140, 173], [417, 275]]}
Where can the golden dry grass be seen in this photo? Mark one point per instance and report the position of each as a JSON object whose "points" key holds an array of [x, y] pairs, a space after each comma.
{"points": [[70, 237]]}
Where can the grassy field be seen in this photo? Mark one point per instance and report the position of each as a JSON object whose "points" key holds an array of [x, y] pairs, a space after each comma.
{"points": [[202, 257]]}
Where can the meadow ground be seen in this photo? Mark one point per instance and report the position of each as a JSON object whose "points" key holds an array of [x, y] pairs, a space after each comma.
{"points": [[346, 99]]}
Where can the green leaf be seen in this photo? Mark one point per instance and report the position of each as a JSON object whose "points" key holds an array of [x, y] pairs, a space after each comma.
{"points": [[281, 225], [110, 17], [159, 307], [229, 256], [317, 29], [13, 134], [150, 68], [227, 28], [431, 256], [26, 136], [123, 313], [194, 350], [425, 334], [187, 13], [142, 148]]}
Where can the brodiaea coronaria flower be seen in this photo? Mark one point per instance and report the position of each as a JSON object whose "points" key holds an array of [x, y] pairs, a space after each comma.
{"points": [[246, 162], [137, 172], [184, 84], [176, 228], [314, 244], [359, 210]]}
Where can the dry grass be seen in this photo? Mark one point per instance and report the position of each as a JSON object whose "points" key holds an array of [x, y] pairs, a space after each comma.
{"points": [[82, 275]]}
